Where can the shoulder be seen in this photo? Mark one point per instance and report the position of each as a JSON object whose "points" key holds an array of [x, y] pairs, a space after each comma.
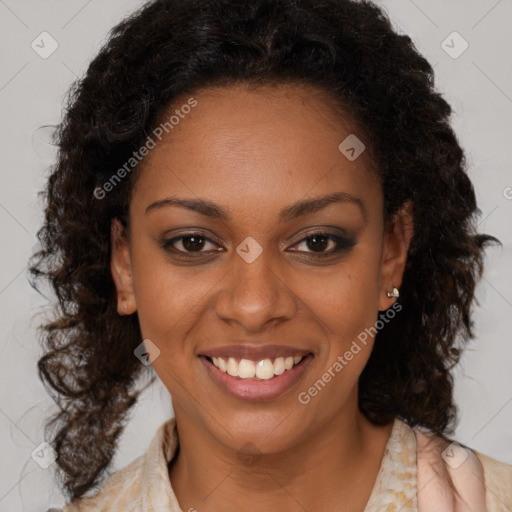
{"points": [[461, 473], [498, 481]]}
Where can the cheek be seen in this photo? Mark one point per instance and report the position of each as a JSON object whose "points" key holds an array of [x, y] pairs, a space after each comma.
{"points": [[168, 298], [345, 304], [170, 301], [346, 299]]}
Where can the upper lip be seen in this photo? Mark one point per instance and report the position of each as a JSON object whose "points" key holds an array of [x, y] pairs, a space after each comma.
{"points": [[255, 352]]}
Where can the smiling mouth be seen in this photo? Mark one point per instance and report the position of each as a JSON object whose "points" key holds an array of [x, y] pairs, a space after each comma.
{"points": [[262, 369], [260, 378]]}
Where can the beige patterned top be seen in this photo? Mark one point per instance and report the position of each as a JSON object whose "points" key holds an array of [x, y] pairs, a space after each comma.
{"points": [[484, 483]]}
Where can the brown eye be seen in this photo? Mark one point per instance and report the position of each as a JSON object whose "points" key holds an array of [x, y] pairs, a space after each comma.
{"points": [[189, 243], [193, 243], [324, 244], [318, 243]]}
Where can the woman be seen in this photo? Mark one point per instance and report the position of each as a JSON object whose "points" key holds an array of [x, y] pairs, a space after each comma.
{"points": [[264, 201]]}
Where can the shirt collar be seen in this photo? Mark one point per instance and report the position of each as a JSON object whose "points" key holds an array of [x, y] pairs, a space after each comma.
{"points": [[395, 485], [156, 492]]}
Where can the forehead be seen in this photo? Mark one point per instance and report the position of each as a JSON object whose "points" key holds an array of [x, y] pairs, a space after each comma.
{"points": [[251, 146]]}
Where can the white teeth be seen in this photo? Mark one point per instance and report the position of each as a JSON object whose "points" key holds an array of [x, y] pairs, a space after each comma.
{"points": [[279, 366], [264, 369], [232, 367], [246, 369], [222, 364], [288, 363]]}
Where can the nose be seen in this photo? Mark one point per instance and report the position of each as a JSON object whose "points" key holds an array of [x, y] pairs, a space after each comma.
{"points": [[255, 294]]}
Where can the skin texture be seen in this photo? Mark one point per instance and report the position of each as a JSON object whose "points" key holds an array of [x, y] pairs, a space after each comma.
{"points": [[255, 152]]}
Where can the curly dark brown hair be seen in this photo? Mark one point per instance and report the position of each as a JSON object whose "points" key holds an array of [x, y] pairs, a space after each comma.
{"points": [[349, 50]]}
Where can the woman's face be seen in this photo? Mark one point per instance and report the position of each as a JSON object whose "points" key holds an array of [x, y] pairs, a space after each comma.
{"points": [[236, 269]]}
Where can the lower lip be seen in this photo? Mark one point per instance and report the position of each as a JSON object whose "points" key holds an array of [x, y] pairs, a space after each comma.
{"points": [[256, 389]]}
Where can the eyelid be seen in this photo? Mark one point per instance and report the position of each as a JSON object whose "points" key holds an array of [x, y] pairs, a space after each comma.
{"points": [[325, 229], [342, 242], [169, 242]]}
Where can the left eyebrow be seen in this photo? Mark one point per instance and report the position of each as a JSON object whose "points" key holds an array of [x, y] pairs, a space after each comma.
{"points": [[318, 203], [295, 210]]}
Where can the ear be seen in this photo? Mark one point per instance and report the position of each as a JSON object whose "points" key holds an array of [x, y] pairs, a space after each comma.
{"points": [[397, 238], [120, 267]]}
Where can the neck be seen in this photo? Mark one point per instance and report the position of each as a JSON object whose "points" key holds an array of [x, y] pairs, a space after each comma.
{"points": [[336, 463]]}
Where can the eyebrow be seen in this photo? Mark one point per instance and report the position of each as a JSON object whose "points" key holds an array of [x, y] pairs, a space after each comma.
{"points": [[295, 210]]}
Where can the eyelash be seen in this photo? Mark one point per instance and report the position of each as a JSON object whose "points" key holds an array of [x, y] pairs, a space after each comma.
{"points": [[342, 244]]}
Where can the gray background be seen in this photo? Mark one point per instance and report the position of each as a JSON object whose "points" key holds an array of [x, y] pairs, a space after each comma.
{"points": [[478, 84]]}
